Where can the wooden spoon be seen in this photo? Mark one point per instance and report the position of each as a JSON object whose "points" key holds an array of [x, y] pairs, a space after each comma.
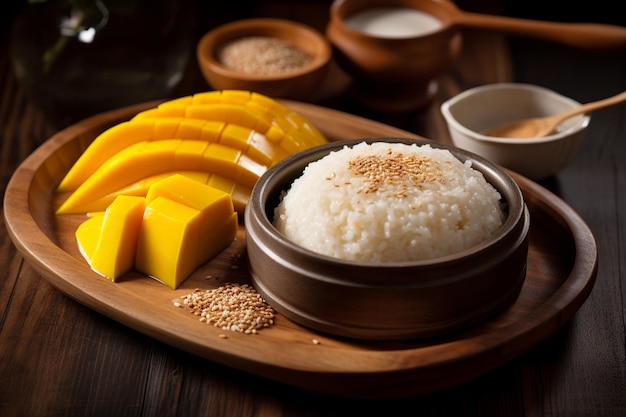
{"points": [[593, 36], [543, 126]]}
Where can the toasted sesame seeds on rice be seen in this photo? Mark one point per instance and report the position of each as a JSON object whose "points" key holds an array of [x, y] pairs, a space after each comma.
{"points": [[389, 202]]}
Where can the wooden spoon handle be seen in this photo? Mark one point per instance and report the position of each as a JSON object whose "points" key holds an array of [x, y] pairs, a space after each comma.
{"points": [[593, 36], [589, 107]]}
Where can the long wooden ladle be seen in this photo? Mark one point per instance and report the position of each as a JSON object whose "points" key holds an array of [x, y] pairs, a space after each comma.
{"points": [[543, 126], [593, 36]]}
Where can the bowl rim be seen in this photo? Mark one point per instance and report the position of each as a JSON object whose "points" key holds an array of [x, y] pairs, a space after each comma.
{"points": [[267, 182], [453, 122], [341, 11], [209, 41]]}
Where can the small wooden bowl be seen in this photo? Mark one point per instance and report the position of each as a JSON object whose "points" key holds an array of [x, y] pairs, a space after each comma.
{"points": [[393, 74], [299, 84], [393, 300]]}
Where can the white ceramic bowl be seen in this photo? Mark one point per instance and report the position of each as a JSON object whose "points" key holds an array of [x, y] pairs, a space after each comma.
{"points": [[482, 108]]}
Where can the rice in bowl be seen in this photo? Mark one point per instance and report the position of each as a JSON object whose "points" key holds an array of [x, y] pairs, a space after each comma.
{"points": [[389, 202]]}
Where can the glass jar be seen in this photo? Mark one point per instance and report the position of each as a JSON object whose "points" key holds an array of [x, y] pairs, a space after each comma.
{"points": [[76, 58]]}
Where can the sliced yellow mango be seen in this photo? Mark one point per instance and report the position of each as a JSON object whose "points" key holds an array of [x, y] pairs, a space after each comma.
{"points": [[224, 112], [165, 128], [254, 132], [192, 194], [185, 224], [240, 194], [109, 241], [221, 96], [112, 142], [87, 235], [299, 123], [194, 129], [145, 159], [123, 135], [289, 122], [243, 98], [280, 117], [119, 137], [235, 96], [253, 144], [283, 120], [293, 126]]}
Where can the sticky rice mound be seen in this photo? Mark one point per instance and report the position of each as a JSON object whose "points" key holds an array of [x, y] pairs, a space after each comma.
{"points": [[389, 202]]}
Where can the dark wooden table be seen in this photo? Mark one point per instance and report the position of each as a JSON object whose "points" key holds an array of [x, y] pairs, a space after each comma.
{"points": [[58, 357]]}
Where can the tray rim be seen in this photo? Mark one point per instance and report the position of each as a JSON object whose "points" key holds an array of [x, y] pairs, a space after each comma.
{"points": [[412, 372]]}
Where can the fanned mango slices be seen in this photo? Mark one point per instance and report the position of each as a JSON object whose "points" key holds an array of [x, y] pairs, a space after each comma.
{"points": [[240, 194], [145, 159], [178, 225], [285, 133], [125, 134], [229, 136], [260, 104], [273, 119]]}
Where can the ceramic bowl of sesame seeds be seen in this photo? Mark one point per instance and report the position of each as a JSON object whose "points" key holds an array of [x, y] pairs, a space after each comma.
{"points": [[387, 239], [275, 57]]}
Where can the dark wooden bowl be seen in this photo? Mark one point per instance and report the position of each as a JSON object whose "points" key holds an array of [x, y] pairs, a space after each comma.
{"points": [[397, 300]]}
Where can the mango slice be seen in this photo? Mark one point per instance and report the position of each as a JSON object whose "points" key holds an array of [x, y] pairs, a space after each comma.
{"points": [[253, 144], [185, 224], [125, 134], [145, 159], [299, 123], [240, 194], [109, 241], [285, 123], [229, 113], [88, 234], [288, 119], [253, 132], [251, 116]]}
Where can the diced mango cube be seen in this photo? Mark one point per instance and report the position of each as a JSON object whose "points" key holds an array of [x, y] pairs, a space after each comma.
{"points": [[193, 194], [185, 224], [109, 241], [87, 235]]}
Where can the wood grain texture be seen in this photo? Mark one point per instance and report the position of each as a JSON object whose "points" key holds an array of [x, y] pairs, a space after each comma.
{"points": [[60, 358], [592, 377]]}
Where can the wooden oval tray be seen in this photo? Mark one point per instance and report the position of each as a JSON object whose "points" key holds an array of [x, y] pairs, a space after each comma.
{"points": [[562, 267]]}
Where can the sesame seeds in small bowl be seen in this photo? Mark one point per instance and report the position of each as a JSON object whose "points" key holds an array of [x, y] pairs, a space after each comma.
{"points": [[387, 243], [275, 57]]}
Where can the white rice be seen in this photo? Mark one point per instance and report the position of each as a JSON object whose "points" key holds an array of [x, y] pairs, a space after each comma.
{"points": [[389, 202]]}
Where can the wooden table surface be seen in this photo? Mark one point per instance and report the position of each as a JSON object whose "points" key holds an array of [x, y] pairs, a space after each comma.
{"points": [[58, 357]]}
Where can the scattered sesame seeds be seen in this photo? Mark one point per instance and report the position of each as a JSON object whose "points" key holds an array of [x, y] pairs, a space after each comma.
{"points": [[234, 307]]}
